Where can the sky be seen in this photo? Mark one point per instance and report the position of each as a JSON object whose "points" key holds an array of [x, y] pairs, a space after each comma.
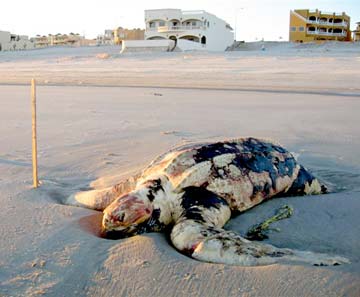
{"points": [[253, 19]]}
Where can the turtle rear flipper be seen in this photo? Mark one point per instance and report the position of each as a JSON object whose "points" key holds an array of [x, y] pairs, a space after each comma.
{"points": [[211, 244], [304, 184], [100, 199], [198, 233]]}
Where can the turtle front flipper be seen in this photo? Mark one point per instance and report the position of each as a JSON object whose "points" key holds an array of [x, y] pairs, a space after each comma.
{"points": [[100, 199], [211, 244]]}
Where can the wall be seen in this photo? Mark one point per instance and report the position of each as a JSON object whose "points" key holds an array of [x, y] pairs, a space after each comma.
{"points": [[147, 45], [218, 37], [297, 22], [5, 40], [187, 45]]}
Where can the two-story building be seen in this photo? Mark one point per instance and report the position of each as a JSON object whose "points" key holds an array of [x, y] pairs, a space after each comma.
{"points": [[41, 41], [311, 25], [65, 39], [201, 27], [58, 40]]}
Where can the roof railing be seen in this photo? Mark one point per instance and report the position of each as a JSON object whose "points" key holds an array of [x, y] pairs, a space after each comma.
{"points": [[193, 11]]}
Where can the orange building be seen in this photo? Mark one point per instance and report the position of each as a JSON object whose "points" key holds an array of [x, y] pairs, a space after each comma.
{"points": [[311, 25]]}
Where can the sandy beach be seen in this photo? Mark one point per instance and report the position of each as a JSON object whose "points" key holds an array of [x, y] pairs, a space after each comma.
{"points": [[102, 116]]}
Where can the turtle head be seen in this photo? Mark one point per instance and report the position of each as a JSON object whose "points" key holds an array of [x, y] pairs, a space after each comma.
{"points": [[126, 215], [134, 212]]}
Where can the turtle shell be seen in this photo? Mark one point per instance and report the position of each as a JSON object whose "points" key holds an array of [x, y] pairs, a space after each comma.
{"points": [[243, 171]]}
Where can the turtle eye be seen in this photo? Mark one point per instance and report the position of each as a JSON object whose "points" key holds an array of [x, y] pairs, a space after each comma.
{"points": [[121, 217]]}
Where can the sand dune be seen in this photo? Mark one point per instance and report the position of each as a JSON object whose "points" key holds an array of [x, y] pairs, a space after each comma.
{"points": [[331, 67]]}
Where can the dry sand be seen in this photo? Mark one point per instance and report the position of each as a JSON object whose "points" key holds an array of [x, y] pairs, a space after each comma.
{"points": [[307, 98]]}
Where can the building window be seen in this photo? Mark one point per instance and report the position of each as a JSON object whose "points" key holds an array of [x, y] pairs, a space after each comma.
{"points": [[193, 23], [152, 24], [161, 23], [293, 29], [301, 29]]}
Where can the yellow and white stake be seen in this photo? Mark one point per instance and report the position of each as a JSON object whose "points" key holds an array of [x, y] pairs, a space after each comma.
{"points": [[34, 138]]}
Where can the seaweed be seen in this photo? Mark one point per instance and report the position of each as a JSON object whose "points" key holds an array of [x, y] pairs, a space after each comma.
{"points": [[260, 231]]}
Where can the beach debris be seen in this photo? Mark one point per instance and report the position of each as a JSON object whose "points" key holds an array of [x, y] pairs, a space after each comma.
{"points": [[259, 231], [158, 94], [169, 132], [103, 56], [145, 264], [38, 263], [189, 276]]}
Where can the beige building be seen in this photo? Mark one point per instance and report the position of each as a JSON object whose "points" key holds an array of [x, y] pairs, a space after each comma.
{"points": [[356, 32], [59, 40], [65, 39], [121, 34], [312, 25], [41, 41]]}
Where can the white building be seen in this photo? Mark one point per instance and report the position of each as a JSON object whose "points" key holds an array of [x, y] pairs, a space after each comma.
{"points": [[106, 39], [11, 42], [204, 28]]}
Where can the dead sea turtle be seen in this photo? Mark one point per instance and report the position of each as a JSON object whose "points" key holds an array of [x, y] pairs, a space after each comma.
{"points": [[193, 190]]}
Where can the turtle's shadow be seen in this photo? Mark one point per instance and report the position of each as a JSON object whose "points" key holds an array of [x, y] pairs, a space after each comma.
{"points": [[91, 224]]}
